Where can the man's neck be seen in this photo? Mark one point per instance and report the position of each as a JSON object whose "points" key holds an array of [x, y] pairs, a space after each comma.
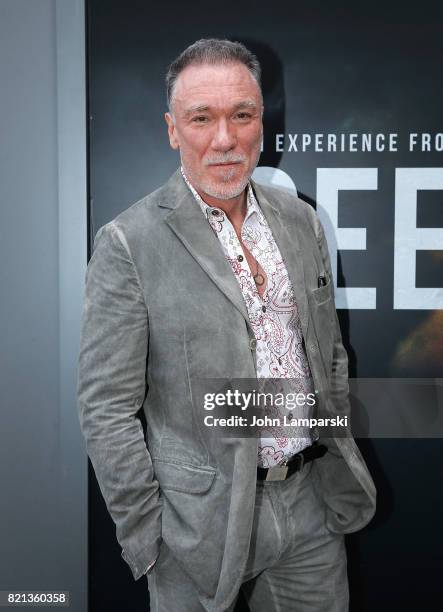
{"points": [[234, 208]]}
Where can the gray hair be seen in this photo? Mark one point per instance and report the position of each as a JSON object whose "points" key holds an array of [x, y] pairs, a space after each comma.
{"points": [[211, 51]]}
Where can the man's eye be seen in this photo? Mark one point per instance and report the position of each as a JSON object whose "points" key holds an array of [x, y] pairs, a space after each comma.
{"points": [[200, 119], [243, 115]]}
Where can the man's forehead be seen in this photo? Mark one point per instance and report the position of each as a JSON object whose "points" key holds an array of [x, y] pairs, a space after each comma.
{"points": [[203, 83]]}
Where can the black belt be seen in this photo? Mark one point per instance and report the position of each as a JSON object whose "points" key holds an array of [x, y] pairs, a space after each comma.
{"points": [[281, 472]]}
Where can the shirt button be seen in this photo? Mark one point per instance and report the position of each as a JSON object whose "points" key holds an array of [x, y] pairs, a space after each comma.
{"points": [[215, 213], [263, 308], [240, 257], [252, 344]]}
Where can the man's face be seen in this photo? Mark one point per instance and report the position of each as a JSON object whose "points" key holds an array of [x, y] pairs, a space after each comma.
{"points": [[216, 123]]}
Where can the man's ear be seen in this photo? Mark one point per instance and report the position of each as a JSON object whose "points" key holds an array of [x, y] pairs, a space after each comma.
{"points": [[173, 140]]}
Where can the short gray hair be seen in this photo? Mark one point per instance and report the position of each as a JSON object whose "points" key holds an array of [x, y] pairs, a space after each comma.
{"points": [[211, 51]]}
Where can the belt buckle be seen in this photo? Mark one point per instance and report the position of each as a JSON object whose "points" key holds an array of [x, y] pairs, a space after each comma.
{"points": [[278, 472]]}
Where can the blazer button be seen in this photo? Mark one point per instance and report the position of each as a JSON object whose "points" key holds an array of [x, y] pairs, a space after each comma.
{"points": [[252, 344], [313, 347]]}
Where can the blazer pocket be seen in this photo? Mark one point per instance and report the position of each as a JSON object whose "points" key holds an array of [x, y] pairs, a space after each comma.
{"points": [[322, 294], [183, 478]]}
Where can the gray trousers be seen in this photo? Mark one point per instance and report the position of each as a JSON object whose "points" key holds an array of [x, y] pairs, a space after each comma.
{"points": [[295, 564]]}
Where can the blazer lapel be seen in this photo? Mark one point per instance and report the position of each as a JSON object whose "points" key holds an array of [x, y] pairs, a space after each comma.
{"points": [[191, 227], [288, 242]]}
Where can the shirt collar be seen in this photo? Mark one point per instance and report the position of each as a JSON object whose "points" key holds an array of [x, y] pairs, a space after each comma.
{"points": [[251, 201]]}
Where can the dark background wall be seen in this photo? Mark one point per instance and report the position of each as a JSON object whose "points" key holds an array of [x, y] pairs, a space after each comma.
{"points": [[333, 67]]}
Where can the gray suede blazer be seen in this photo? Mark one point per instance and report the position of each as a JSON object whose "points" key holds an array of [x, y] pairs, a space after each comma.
{"points": [[163, 310]]}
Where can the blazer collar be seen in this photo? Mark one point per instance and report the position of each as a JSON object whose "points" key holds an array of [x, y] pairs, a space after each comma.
{"points": [[192, 228]]}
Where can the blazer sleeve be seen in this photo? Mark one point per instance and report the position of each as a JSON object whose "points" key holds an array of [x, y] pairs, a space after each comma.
{"points": [[111, 389]]}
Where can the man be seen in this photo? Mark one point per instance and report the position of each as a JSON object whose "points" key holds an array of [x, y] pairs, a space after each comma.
{"points": [[213, 276]]}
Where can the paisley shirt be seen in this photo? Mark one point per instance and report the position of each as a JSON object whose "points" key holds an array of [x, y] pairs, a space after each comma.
{"points": [[275, 322]]}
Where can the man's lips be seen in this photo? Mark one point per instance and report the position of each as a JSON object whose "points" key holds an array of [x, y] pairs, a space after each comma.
{"points": [[234, 163]]}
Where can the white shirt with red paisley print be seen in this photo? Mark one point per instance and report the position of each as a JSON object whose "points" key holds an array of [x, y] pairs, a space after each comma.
{"points": [[275, 322]]}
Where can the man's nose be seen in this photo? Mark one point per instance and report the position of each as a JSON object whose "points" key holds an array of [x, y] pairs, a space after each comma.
{"points": [[224, 138]]}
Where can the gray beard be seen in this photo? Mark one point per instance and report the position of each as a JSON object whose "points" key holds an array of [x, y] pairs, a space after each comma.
{"points": [[227, 192]]}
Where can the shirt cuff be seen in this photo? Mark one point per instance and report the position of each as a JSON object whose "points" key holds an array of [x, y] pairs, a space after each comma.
{"points": [[151, 565], [142, 563]]}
